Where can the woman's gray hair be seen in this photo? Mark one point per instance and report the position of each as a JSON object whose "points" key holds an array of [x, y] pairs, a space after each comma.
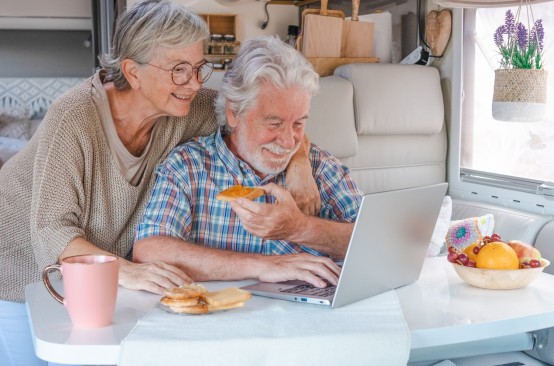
{"points": [[259, 60], [145, 27]]}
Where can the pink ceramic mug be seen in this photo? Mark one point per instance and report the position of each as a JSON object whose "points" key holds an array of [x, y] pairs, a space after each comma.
{"points": [[90, 287]]}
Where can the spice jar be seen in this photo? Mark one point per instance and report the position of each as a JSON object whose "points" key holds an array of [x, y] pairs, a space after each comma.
{"points": [[216, 38], [229, 38], [216, 44], [226, 62]]}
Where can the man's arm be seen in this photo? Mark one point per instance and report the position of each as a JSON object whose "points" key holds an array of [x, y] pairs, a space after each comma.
{"points": [[284, 221], [208, 264]]}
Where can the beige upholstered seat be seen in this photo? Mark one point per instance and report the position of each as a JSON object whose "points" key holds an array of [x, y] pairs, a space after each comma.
{"points": [[386, 123]]}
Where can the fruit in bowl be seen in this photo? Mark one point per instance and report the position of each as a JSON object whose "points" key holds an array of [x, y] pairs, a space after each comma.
{"points": [[495, 264], [497, 255], [528, 255]]}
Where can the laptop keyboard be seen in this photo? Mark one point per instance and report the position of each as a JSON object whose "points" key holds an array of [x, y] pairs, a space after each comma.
{"points": [[309, 289]]}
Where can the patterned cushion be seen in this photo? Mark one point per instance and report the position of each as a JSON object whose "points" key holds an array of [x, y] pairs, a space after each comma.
{"points": [[463, 233]]}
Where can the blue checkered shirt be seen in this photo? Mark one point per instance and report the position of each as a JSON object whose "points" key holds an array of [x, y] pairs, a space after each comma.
{"points": [[183, 203]]}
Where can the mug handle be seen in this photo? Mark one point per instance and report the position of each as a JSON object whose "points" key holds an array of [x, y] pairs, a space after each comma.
{"points": [[46, 280]]}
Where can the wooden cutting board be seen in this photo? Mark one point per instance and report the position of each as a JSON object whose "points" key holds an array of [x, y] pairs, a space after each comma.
{"points": [[323, 11], [357, 37], [321, 36]]}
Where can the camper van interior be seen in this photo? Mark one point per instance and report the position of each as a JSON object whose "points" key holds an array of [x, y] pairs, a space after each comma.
{"points": [[425, 104]]}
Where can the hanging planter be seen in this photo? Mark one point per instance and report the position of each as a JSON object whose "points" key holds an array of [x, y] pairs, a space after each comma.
{"points": [[519, 95], [520, 83]]}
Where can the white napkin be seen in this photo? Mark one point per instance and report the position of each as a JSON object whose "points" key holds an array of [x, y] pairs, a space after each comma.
{"points": [[273, 332]]}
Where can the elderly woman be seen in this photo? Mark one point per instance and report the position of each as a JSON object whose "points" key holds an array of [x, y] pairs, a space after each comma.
{"points": [[82, 182]]}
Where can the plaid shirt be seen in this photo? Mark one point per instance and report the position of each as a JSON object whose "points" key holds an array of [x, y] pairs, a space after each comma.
{"points": [[183, 203]]}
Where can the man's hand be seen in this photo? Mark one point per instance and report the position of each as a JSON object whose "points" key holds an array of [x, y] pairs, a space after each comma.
{"points": [[278, 221], [283, 220], [303, 266], [151, 277]]}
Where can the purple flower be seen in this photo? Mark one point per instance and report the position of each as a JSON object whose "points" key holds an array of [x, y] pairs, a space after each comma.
{"points": [[521, 36], [537, 30], [519, 47], [509, 23], [498, 35]]}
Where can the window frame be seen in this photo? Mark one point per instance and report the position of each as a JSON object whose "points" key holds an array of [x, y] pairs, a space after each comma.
{"points": [[512, 192]]}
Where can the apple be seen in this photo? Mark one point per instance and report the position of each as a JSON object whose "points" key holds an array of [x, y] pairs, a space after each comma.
{"points": [[525, 252]]}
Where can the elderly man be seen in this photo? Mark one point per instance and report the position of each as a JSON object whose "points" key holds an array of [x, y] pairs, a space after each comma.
{"points": [[262, 108]]}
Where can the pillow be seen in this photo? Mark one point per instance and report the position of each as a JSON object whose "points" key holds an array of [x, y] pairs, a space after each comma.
{"points": [[463, 233], [441, 228], [15, 123]]}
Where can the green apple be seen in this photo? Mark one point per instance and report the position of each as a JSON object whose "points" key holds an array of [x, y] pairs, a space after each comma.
{"points": [[525, 252]]}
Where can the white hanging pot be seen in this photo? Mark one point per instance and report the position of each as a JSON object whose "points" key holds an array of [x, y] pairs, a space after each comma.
{"points": [[519, 95]]}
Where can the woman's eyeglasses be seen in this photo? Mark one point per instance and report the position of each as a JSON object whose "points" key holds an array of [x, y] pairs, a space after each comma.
{"points": [[182, 73]]}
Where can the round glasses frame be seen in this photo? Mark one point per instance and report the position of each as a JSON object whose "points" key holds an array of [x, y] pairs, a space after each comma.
{"points": [[183, 72]]}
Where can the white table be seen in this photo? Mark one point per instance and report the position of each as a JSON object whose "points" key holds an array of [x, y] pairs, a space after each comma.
{"points": [[447, 318]]}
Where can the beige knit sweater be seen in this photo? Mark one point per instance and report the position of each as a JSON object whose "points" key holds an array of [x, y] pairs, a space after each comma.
{"points": [[65, 184]]}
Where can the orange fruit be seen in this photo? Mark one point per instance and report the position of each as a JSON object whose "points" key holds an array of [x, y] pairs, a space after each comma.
{"points": [[497, 255], [469, 252]]}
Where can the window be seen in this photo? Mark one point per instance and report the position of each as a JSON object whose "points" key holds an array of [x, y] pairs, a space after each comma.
{"points": [[496, 157]]}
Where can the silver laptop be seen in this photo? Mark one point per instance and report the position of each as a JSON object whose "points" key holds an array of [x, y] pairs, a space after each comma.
{"points": [[386, 251]]}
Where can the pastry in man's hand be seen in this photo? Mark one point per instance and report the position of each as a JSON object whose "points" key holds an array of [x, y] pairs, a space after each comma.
{"points": [[231, 194]]}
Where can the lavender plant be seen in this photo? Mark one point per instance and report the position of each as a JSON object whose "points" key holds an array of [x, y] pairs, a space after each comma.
{"points": [[521, 49]]}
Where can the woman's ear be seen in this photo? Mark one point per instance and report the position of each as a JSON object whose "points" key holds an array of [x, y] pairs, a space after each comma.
{"points": [[231, 119], [131, 71]]}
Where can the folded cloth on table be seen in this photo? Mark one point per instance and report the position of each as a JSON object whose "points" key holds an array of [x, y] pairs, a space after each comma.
{"points": [[274, 332]]}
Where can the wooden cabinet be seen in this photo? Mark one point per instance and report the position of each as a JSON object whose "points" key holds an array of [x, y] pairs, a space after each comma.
{"points": [[221, 50], [221, 23]]}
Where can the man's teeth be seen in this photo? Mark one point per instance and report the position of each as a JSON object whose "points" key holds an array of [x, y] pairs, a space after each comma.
{"points": [[180, 96]]}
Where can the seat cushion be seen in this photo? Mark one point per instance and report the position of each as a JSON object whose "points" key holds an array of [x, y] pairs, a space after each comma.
{"points": [[395, 99]]}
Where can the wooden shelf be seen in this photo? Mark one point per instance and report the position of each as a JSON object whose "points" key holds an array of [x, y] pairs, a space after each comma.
{"points": [[306, 2], [282, 2], [222, 55], [325, 66], [292, 2]]}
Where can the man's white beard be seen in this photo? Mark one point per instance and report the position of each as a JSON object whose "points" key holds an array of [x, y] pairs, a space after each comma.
{"points": [[257, 161]]}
